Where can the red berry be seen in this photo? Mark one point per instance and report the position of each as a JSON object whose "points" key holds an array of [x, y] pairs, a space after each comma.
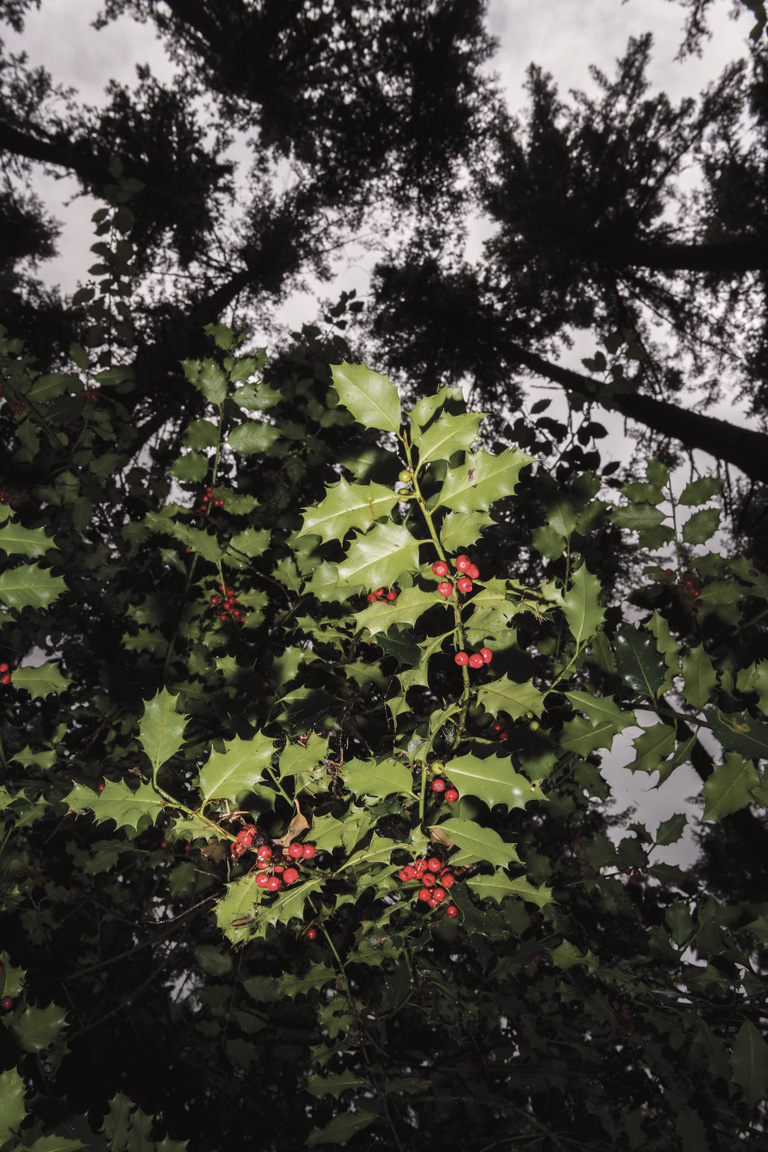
{"points": [[391, 595], [101, 787], [7, 1003], [445, 588], [273, 883], [461, 658], [163, 843], [311, 934], [290, 876], [452, 911], [264, 853], [476, 660], [668, 572], [262, 880], [487, 655], [4, 668], [463, 563], [439, 894], [440, 568], [187, 847], [428, 880], [406, 874], [5, 678], [223, 617], [438, 784], [473, 571], [434, 864], [425, 894], [464, 585], [215, 599], [379, 593], [296, 851], [279, 868], [370, 598], [447, 879], [451, 795], [308, 851]]}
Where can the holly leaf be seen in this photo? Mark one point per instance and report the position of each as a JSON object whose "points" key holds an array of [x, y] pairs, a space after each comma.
{"points": [[17, 540], [482, 479], [347, 506], [341, 1128], [41, 681], [190, 468], [462, 529], [701, 526], [425, 409], [370, 397], [38, 1028], [728, 789], [580, 606], [653, 746], [377, 852], [253, 436], [700, 491], [699, 677], [639, 662], [12, 1109], [499, 886], [379, 779], [749, 1063], [296, 758], [126, 806], [334, 1085], [29, 758], [234, 771], [480, 843], [583, 737], [740, 733], [493, 780], [161, 729], [448, 434], [290, 901], [382, 615], [30, 587], [602, 709], [201, 434], [670, 831], [508, 696], [380, 557]]}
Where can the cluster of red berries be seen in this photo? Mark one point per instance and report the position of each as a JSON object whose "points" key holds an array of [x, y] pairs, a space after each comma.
{"points": [[18, 407], [227, 605], [90, 394], [624, 1011], [208, 499], [468, 572], [445, 789], [436, 881], [476, 660], [272, 876], [502, 733], [635, 874], [7, 496], [270, 474], [382, 594], [5, 674]]}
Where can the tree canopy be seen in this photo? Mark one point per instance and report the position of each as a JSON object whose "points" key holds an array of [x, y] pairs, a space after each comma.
{"points": [[309, 683]]}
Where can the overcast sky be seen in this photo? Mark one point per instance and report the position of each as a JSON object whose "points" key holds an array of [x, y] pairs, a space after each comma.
{"points": [[563, 36]]}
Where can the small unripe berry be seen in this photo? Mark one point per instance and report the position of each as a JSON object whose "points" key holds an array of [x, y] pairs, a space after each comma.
{"points": [[405, 476], [440, 568], [464, 585], [445, 589], [476, 660], [461, 658]]}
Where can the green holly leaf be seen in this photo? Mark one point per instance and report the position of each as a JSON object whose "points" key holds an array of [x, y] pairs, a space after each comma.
{"points": [[448, 434], [297, 758], [482, 479], [637, 517], [190, 468], [699, 677], [426, 408], [251, 542], [643, 493], [253, 436], [400, 644], [334, 1085], [161, 729], [670, 831], [236, 912], [602, 709], [341, 1129], [29, 758], [653, 746], [19, 541], [380, 557], [377, 852], [515, 699], [728, 789], [499, 886], [347, 506], [580, 605], [290, 901], [461, 530], [41, 681], [701, 526], [667, 645], [478, 842], [583, 737], [61, 1144], [639, 662], [378, 779], [237, 769], [30, 587], [700, 491], [208, 378], [126, 806], [739, 732], [370, 397], [12, 1110], [38, 1028], [492, 780], [201, 434], [754, 678], [749, 1063]]}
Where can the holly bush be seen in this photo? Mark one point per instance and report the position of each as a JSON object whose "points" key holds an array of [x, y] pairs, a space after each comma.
{"points": [[305, 827]]}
